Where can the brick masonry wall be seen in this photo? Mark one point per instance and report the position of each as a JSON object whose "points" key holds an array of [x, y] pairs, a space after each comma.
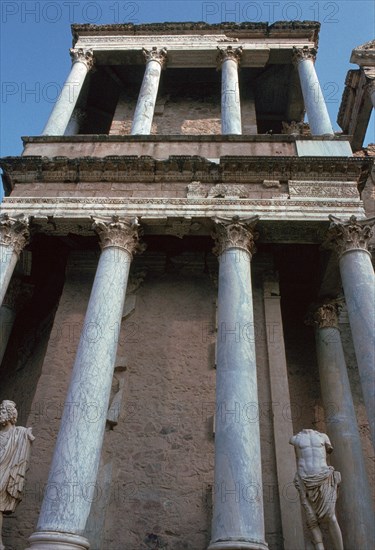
{"points": [[182, 116]]}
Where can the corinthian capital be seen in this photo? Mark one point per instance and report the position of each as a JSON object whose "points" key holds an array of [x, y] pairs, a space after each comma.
{"points": [[325, 315], [155, 55], [82, 56], [235, 233], [300, 54], [118, 233], [350, 235], [14, 232], [228, 53]]}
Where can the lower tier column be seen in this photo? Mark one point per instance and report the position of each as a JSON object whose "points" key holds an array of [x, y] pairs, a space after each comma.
{"points": [[354, 504], [350, 240], [238, 501], [14, 236], [72, 479]]}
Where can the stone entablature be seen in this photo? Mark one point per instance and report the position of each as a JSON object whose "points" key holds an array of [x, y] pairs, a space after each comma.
{"points": [[162, 147], [194, 44], [249, 29], [228, 168]]}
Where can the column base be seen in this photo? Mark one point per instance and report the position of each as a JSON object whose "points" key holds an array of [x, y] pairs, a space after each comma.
{"points": [[53, 540], [237, 545]]}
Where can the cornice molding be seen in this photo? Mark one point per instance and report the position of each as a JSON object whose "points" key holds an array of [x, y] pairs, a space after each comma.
{"points": [[184, 168]]}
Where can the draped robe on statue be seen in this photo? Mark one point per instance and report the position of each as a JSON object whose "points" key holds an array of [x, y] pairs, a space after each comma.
{"points": [[15, 446]]}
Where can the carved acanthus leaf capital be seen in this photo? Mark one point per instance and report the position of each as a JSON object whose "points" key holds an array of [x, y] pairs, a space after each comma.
{"points": [[235, 233], [82, 56], [350, 235], [14, 232], [155, 54], [324, 315], [228, 53], [302, 54], [296, 128], [124, 234]]}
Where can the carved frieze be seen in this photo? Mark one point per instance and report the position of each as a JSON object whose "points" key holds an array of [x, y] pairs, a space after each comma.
{"points": [[180, 228], [184, 168], [82, 56], [351, 235], [136, 40], [323, 189], [118, 233], [235, 233], [14, 232]]}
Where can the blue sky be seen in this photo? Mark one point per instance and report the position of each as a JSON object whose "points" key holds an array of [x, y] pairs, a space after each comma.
{"points": [[35, 39]]}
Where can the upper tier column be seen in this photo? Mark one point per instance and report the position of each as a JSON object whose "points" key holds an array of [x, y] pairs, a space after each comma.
{"points": [[14, 236], [83, 61], [238, 520], [144, 111], [317, 113], [350, 241], [370, 85], [228, 60], [71, 485]]}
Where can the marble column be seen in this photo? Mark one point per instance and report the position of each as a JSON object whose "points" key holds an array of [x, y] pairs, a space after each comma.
{"points": [[370, 87], [354, 504], [75, 122], [228, 60], [315, 105], [71, 485], [144, 111], [14, 236], [238, 520], [82, 63], [349, 240], [15, 298]]}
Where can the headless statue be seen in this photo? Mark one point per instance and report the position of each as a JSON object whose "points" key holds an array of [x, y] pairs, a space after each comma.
{"points": [[317, 484], [15, 443]]}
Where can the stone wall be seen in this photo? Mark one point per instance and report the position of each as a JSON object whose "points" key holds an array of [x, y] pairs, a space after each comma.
{"points": [[175, 116], [154, 487], [155, 482]]}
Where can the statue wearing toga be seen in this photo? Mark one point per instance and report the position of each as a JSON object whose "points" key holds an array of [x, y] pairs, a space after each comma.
{"points": [[15, 443]]}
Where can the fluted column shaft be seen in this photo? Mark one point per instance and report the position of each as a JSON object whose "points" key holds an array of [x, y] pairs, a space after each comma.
{"points": [[238, 501], [72, 478], [62, 111], [144, 111], [315, 105], [14, 235], [228, 60], [354, 504], [350, 240]]}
